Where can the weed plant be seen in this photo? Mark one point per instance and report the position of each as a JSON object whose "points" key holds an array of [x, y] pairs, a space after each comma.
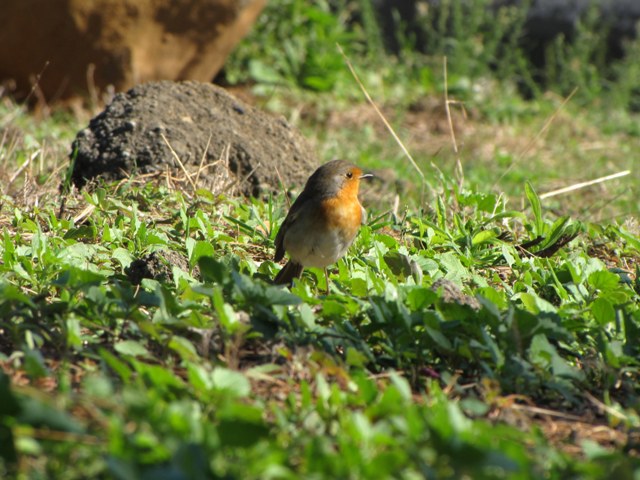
{"points": [[469, 332], [479, 40], [437, 325]]}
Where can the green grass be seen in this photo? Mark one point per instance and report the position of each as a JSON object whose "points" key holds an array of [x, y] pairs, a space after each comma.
{"points": [[580, 127], [476, 330], [218, 372]]}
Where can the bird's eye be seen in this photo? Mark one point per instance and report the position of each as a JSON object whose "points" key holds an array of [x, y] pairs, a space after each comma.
{"points": [[349, 174]]}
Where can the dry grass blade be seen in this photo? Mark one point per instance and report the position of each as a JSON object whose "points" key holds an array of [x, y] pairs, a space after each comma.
{"points": [[84, 214], [447, 102], [175, 155], [34, 87], [282, 187], [167, 178], [379, 113], [545, 411], [204, 155], [223, 183], [22, 168], [578, 186], [533, 141], [241, 180], [61, 436], [605, 408], [4, 154]]}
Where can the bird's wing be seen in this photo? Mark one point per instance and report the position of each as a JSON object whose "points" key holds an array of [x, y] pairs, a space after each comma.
{"points": [[291, 217]]}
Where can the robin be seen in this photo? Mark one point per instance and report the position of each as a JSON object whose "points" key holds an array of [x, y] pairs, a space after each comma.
{"points": [[322, 222]]}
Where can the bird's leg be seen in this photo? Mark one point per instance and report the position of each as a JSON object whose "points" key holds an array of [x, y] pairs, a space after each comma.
{"points": [[326, 278]]}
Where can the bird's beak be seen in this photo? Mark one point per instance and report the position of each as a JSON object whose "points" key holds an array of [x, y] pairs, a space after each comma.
{"points": [[367, 175]]}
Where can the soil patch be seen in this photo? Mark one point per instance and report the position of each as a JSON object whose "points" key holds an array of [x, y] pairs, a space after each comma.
{"points": [[194, 130], [157, 266]]}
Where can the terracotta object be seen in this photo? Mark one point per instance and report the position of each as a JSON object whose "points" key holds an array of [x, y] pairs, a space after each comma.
{"points": [[80, 47]]}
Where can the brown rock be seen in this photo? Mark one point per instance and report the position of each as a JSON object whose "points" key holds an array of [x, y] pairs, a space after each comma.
{"points": [[202, 123], [85, 46]]}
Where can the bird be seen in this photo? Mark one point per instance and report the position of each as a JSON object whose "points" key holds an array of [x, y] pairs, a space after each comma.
{"points": [[322, 222]]}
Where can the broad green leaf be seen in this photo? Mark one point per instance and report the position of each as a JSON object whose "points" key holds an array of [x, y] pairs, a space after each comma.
{"points": [[419, 298], [98, 385], [201, 249], [241, 425], [536, 207], [73, 277], [496, 354], [226, 315], [74, 334], [545, 355], [199, 377], [9, 406], [274, 295], [507, 255], [41, 414], [117, 365], [614, 353], [213, 270], [359, 287], [541, 351], [484, 236], [11, 293], [528, 300], [604, 280], [474, 407], [439, 339], [332, 308], [123, 256], [456, 272], [205, 194], [399, 264], [34, 364], [155, 238], [132, 348], [603, 311], [9, 250], [183, 347], [402, 385], [557, 230], [355, 358], [88, 232], [307, 316], [263, 73], [169, 306], [534, 303], [231, 381], [8, 452], [158, 375], [458, 420], [492, 300], [632, 240], [78, 254]]}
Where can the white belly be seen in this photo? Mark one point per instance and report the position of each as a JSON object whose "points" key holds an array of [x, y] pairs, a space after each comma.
{"points": [[320, 250]]}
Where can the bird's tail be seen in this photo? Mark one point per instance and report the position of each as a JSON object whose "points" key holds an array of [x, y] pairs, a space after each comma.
{"points": [[290, 271]]}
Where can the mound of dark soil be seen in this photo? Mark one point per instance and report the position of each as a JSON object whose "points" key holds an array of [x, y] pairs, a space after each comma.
{"points": [[138, 130], [157, 266]]}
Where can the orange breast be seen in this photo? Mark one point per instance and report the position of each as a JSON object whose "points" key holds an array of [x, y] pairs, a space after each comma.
{"points": [[344, 211]]}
